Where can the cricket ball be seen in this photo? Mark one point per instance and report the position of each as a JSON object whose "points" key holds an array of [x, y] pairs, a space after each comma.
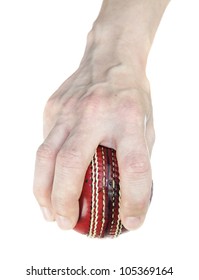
{"points": [[100, 198]]}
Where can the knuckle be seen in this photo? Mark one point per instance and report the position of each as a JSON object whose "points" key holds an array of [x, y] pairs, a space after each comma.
{"points": [[93, 102], [63, 199], [136, 163], [137, 205], [58, 200], [133, 123], [45, 152], [141, 204], [41, 194], [69, 159], [132, 110]]}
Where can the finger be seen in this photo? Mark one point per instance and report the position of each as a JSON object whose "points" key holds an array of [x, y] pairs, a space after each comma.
{"points": [[44, 169], [71, 165], [135, 178]]}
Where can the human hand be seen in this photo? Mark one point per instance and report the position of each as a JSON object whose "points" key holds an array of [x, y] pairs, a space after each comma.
{"points": [[81, 115], [105, 102]]}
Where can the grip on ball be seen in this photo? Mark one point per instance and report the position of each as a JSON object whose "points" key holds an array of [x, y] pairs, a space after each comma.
{"points": [[100, 198]]}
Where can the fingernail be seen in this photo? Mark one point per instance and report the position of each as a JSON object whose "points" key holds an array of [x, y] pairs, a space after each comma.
{"points": [[63, 222], [132, 222], [48, 215]]}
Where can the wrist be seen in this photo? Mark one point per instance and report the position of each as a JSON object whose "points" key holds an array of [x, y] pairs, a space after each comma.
{"points": [[129, 26], [121, 44], [112, 59]]}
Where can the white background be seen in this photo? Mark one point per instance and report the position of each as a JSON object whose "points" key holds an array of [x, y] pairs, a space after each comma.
{"points": [[41, 44]]}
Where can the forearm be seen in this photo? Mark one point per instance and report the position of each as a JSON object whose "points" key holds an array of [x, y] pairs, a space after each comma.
{"points": [[131, 25]]}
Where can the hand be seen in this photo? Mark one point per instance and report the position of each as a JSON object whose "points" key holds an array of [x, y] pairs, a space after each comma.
{"points": [[105, 102], [81, 115]]}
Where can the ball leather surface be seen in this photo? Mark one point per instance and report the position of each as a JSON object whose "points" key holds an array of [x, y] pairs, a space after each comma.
{"points": [[100, 198]]}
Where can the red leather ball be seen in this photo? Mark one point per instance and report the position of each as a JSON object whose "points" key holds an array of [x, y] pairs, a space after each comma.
{"points": [[100, 198]]}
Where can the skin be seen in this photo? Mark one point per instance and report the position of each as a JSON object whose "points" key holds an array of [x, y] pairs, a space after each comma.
{"points": [[106, 101]]}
